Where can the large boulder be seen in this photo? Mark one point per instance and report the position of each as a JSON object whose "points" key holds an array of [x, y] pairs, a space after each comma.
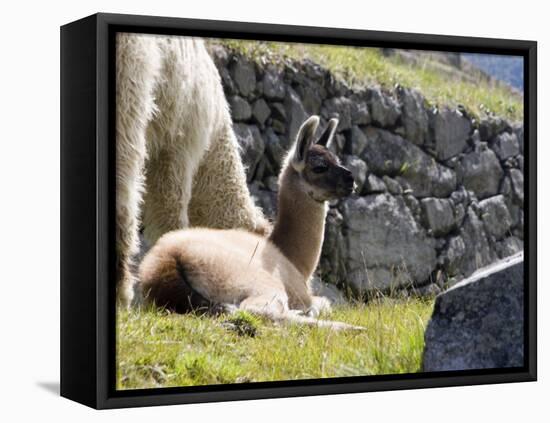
{"points": [[517, 184], [240, 109], [508, 246], [357, 141], [392, 185], [478, 324], [469, 249], [273, 85], [332, 266], [295, 112], [481, 172], [252, 147], [373, 184], [450, 133], [243, 75], [358, 168], [506, 145], [260, 111], [384, 110], [495, 216], [274, 148], [339, 107], [386, 248], [308, 81], [359, 111], [491, 126], [311, 96], [414, 115], [439, 216], [392, 155]]}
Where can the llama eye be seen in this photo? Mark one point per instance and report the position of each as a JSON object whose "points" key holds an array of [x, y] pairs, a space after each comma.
{"points": [[320, 169]]}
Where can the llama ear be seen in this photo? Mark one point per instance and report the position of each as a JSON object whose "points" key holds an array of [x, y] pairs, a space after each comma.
{"points": [[305, 138], [326, 138]]}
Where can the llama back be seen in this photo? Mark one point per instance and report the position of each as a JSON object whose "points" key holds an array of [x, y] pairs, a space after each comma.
{"points": [[199, 260]]}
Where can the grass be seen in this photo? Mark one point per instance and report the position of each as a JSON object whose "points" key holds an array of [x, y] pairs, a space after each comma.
{"points": [[441, 85], [159, 349]]}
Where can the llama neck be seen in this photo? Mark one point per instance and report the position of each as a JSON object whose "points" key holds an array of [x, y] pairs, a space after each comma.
{"points": [[300, 226]]}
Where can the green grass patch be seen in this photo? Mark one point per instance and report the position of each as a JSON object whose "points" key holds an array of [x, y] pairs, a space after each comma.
{"points": [[159, 349], [441, 84]]}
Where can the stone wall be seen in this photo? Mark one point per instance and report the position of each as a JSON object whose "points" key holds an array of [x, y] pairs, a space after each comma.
{"points": [[439, 194], [478, 323]]}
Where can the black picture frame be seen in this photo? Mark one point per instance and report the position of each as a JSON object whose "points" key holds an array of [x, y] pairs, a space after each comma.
{"points": [[87, 204]]}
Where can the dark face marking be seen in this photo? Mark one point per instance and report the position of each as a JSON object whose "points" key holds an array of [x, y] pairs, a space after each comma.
{"points": [[326, 179]]}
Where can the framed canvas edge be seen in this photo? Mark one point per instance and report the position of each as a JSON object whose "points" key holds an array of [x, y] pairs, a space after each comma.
{"points": [[78, 205], [104, 299], [530, 266]]}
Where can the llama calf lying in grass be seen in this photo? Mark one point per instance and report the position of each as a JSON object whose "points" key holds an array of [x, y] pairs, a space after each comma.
{"points": [[236, 269]]}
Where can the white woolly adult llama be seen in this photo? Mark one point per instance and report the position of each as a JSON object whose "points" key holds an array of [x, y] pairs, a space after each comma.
{"points": [[177, 159]]}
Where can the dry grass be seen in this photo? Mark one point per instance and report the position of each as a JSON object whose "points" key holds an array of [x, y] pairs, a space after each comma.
{"points": [[360, 66]]}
